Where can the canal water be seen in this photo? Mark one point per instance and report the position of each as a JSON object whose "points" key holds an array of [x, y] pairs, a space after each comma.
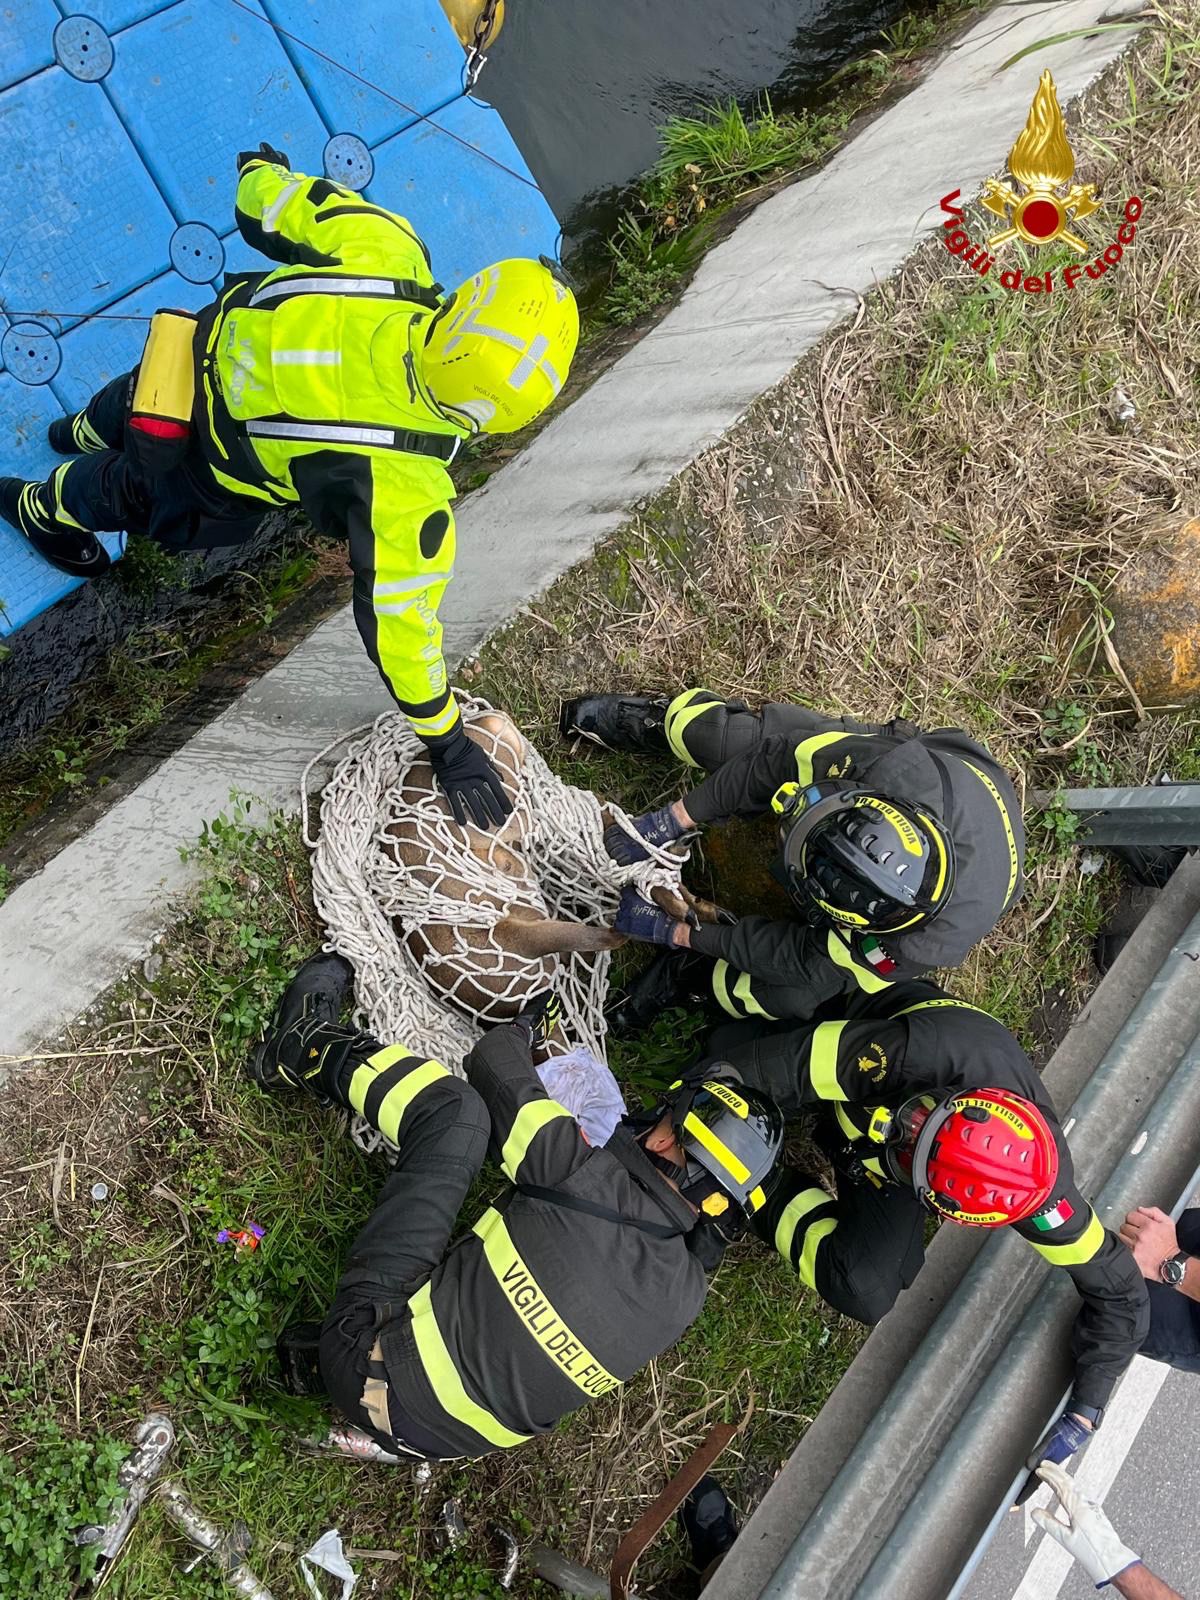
{"points": [[583, 86]]}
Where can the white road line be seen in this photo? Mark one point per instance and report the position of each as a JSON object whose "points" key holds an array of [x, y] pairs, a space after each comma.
{"points": [[1102, 1461]]}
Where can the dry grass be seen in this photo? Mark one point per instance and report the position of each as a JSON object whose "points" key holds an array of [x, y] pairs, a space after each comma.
{"points": [[924, 516]]}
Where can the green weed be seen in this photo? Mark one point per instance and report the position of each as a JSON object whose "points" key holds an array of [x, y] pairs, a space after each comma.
{"points": [[50, 1485]]}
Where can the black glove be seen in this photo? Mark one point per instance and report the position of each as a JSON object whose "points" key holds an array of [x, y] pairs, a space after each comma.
{"points": [[265, 152], [538, 1019], [468, 778]]}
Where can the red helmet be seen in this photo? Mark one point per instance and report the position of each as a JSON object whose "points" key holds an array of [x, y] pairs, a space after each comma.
{"points": [[983, 1157]]}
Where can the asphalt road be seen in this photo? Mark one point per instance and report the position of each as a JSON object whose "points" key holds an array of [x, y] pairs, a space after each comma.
{"points": [[1144, 1467]]}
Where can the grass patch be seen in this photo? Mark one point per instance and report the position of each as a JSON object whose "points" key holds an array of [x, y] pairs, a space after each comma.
{"points": [[726, 155]]}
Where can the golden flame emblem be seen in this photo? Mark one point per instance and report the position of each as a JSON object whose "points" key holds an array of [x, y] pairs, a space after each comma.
{"points": [[1043, 164]]}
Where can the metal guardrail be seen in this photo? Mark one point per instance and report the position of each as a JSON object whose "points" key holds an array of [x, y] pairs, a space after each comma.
{"points": [[1163, 816], [902, 1515]]}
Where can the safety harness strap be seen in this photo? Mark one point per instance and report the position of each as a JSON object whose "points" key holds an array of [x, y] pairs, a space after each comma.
{"points": [[590, 1208], [409, 441], [362, 288]]}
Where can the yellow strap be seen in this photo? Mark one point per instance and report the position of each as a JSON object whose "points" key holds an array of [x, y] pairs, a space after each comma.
{"points": [[935, 1005], [1074, 1255], [1014, 862], [823, 1061], [839, 954], [797, 1208], [717, 1148], [538, 1316], [806, 1271], [529, 1122], [743, 992], [808, 748], [444, 1378], [684, 710], [845, 1124]]}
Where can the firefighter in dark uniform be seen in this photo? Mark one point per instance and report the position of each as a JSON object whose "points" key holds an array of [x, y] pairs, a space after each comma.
{"points": [[925, 1104], [902, 849], [589, 1266], [344, 381]]}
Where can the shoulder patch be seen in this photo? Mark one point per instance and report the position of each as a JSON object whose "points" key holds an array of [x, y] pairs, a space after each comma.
{"points": [[1053, 1216], [874, 1063]]}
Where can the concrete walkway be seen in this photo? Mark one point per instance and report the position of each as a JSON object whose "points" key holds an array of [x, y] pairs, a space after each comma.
{"points": [[758, 302]]}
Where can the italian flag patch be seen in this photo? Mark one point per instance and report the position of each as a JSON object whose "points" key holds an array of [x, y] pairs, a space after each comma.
{"points": [[1047, 1221], [882, 962]]}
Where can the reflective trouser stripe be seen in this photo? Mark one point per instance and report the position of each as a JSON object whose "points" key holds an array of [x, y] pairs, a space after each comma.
{"points": [[864, 978], [85, 435], [684, 709], [807, 749], [798, 1207], [536, 1311], [444, 1377], [738, 1001], [934, 1005], [1010, 838], [1074, 1255], [806, 1267], [529, 1122], [399, 1096], [60, 511], [823, 1061]]}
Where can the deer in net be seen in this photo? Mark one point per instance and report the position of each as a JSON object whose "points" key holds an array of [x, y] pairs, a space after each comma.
{"points": [[490, 942]]}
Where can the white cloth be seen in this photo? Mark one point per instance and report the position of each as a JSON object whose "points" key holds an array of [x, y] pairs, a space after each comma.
{"points": [[329, 1556], [588, 1090]]}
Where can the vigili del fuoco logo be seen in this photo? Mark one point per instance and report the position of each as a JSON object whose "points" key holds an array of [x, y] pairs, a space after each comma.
{"points": [[1043, 209]]}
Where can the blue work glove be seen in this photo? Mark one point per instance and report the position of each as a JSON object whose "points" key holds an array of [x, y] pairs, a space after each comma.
{"points": [[1057, 1445], [641, 919], [656, 827]]}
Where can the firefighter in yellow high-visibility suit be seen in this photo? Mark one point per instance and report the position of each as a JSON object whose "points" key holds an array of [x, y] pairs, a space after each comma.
{"points": [[344, 380]]}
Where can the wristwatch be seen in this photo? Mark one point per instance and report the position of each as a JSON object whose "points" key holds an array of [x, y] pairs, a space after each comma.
{"points": [[1173, 1268]]}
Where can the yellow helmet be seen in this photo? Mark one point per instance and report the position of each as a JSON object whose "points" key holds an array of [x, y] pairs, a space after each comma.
{"points": [[499, 350]]}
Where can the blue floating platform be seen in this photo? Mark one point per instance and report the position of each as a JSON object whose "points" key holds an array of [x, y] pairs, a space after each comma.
{"points": [[123, 122]]}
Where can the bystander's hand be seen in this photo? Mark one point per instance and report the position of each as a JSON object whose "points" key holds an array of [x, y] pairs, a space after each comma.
{"points": [[1151, 1235]]}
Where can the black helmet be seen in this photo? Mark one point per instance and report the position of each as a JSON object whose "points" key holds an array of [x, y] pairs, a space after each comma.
{"points": [[732, 1139], [863, 860]]}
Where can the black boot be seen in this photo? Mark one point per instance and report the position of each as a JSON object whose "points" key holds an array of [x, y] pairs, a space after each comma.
{"points": [[307, 1046], [71, 550], [673, 978], [710, 1523], [617, 721], [298, 1349]]}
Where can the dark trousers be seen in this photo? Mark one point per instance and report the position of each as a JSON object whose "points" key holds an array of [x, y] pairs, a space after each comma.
{"points": [[878, 1246], [403, 1240], [185, 509], [729, 728], [1174, 1335]]}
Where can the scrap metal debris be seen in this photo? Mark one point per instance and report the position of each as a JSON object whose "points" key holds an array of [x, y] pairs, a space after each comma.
{"points": [[1121, 408], [155, 1440], [512, 1555], [228, 1550], [451, 1528]]}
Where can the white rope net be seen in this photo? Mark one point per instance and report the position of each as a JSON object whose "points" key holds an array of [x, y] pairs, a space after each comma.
{"points": [[429, 914]]}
